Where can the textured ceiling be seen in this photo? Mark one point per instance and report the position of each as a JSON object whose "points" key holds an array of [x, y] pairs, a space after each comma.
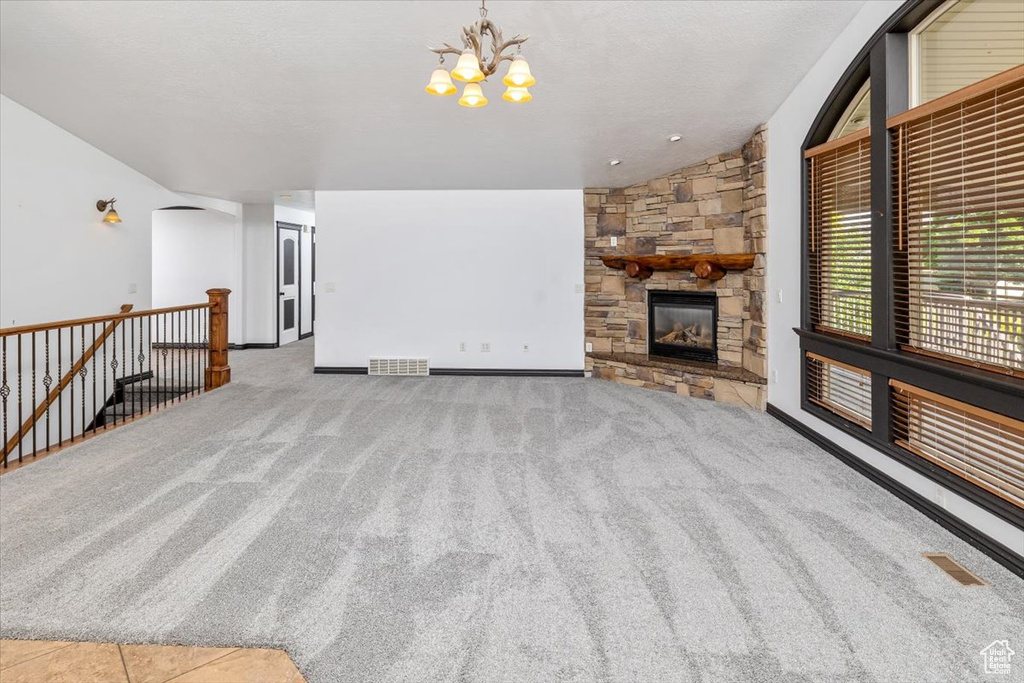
{"points": [[236, 99]]}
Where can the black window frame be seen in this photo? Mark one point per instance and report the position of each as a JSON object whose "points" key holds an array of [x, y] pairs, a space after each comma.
{"points": [[884, 59]]}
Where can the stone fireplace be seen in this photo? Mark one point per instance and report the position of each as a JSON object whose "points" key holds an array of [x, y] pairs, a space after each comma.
{"points": [[636, 331]]}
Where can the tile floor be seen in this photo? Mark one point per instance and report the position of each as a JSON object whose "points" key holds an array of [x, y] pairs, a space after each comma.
{"points": [[35, 661]]}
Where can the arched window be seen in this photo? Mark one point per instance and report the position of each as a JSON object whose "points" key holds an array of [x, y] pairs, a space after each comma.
{"points": [[963, 42], [913, 303]]}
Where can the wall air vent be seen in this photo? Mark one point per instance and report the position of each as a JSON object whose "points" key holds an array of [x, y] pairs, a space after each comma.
{"points": [[414, 367]]}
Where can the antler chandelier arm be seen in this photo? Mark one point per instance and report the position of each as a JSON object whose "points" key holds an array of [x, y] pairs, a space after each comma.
{"points": [[498, 46], [472, 39]]}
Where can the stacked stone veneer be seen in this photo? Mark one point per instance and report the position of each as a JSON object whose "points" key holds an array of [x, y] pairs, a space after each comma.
{"points": [[716, 206]]}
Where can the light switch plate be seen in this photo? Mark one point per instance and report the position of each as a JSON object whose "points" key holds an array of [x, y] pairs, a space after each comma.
{"points": [[589, 347], [579, 289], [133, 288], [329, 288], [615, 241]]}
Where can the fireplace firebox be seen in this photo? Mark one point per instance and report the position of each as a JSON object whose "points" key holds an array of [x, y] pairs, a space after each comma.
{"points": [[683, 325]]}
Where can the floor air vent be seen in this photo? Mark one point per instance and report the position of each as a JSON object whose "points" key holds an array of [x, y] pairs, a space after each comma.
{"points": [[415, 367], [955, 569]]}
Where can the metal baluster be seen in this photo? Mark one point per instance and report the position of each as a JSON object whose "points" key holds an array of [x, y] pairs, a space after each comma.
{"points": [[47, 381], [21, 448], [124, 367], [60, 392], [95, 412], [106, 396], [113, 370], [149, 335], [71, 383], [5, 391], [142, 359], [195, 344], [83, 371], [163, 355], [35, 422], [185, 353], [132, 326], [172, 355]]}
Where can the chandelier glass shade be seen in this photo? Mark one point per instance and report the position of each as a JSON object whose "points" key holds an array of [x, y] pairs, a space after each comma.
{"points": [[467, 69], [473, 96], [441, 83], [519, 75], [514, 94], [472, 67]]}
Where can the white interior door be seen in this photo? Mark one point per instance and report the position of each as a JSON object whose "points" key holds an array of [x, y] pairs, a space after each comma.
{"points": [[288, 285]]}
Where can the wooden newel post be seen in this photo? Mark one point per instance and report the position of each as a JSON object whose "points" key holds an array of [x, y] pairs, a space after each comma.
{"points": [[218, 372]]}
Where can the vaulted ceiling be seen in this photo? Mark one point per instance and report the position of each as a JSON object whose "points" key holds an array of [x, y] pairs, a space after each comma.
{"points": [[236, 99]]}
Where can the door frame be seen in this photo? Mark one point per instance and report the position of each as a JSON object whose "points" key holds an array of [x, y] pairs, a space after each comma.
{"points": [[281, 225]]}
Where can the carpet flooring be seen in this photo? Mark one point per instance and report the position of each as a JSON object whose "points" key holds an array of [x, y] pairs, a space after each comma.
{"points": [[489, 529]]}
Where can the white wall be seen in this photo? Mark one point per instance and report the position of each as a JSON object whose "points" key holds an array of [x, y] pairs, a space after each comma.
{"points": [[416, 272], [287, 214], [786, 131], [58, 259], [192, 252], [259, 259]]}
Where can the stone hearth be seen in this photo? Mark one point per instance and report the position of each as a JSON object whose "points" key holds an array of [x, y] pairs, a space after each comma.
{"points": [[714, 207]]}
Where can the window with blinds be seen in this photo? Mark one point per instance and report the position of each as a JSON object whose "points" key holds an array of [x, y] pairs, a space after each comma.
{"points": [[841, 388], [839, 195], [985, 448], [959, 216]]}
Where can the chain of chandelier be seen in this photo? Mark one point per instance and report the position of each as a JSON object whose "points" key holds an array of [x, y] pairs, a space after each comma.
{"points": [[471, 67]]}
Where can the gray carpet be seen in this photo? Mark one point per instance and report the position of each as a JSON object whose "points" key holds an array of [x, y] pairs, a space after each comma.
{"points": [[489, 529]]}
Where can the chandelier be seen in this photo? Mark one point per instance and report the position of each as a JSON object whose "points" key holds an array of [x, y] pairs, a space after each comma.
{"points": [[471, 67]]}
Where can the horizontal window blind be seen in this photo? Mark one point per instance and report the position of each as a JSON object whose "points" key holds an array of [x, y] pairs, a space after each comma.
{"points": [[839, 195], [985, 448], [841, 388], [959, 238]]}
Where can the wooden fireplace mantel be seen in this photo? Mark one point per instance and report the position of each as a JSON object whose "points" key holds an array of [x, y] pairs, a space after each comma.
{"points": [[704, 266]]}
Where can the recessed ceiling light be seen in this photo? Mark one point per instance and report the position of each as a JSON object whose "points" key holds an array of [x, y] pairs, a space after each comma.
{"points": [[286, 196], [675, 138], [614, 162]]}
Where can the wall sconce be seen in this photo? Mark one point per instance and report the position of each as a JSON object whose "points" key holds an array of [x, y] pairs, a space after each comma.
{"points": [[111, 216]]}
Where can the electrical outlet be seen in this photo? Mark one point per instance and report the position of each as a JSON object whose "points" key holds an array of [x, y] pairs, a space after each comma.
{"points": [[940, 496], [775, 376], [462, 347], [485, 347], [615, 241], [589, 347], [526, 348]]}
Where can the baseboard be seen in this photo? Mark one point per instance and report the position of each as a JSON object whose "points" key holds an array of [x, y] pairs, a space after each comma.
{"points": [[510, 372], [305, 335], [997, 551], [462, 372], [339, 370], [243, 347]]}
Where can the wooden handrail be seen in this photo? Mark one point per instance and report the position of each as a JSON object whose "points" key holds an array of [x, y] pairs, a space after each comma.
{"points": [[42, 327], [54, 394]]}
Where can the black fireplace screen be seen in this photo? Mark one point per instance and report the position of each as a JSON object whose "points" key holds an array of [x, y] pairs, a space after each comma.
{"points": [[683, 325]]}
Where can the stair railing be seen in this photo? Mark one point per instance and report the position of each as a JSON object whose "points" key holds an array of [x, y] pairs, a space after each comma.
{"points": [[118, 368]]}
